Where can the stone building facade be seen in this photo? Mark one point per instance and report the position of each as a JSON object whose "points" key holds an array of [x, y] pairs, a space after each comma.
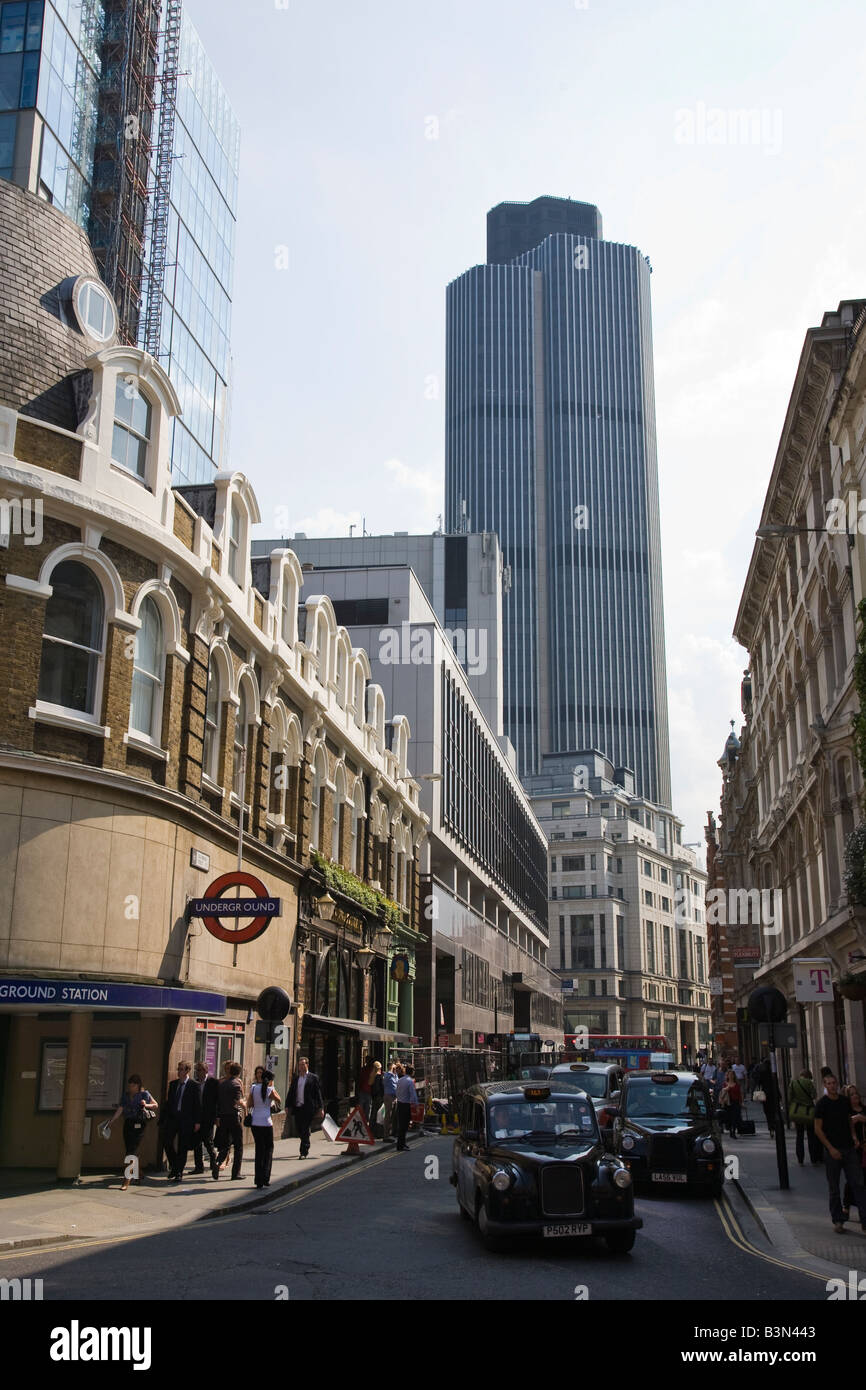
{"points": [[166, 707], [792, 785]]}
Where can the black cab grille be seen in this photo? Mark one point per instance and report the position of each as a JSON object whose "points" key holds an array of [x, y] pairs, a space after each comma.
{"points": [[561, 1186]]}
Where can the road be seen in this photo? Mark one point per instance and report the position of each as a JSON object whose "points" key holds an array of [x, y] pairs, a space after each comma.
{"points": [[388, 1228]]}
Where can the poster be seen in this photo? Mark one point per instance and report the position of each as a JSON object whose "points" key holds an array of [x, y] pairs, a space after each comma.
{"points": [[105, 1082]]}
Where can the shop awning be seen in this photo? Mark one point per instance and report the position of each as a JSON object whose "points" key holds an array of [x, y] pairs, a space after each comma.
{"points": [[367, 1031]]}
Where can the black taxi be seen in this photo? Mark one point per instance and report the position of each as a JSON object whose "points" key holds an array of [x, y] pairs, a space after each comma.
{"points": [[666, 1132], [529, 1161]]}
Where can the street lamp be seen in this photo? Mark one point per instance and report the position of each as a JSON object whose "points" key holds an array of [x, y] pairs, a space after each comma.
{"points": [[326, 906]]}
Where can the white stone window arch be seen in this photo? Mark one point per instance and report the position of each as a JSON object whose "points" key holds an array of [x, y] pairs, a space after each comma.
{"points": [[219, 692], [376, 714], [360, 677], [276, 763], [344, 664], [160, 636], [400, 744], [236, 512], [84, 597]]}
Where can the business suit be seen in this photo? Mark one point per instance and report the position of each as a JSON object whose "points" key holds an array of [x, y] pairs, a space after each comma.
{"points": [[204, 1138], [305, 1113], [180, 1124]]}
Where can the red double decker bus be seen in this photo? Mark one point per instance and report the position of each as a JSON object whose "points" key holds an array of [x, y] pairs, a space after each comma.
{"points": [[633, 1051]]}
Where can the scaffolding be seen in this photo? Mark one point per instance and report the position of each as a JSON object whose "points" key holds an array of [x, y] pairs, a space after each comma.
{"points": [[161, 193], [123, 153]]}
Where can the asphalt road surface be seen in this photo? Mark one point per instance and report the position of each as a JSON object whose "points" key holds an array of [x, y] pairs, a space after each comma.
{"points": [[384, 1230]]}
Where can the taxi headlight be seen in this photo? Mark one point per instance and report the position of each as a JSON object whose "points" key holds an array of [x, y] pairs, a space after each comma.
{"points": [[628, 1142], [708, 1146], [502, 1181], [622, 1178]]}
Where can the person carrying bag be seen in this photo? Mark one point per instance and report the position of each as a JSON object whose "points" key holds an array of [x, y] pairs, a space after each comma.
{"points": [[801, 1109]]}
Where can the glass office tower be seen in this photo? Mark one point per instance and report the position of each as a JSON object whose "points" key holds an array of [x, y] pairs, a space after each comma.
{"points": [[550, 441], [59, 87]]}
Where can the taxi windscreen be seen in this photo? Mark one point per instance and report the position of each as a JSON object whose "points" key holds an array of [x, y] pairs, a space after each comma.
{"points": [[550, 1120], [593, 1082], [657, 1100]]}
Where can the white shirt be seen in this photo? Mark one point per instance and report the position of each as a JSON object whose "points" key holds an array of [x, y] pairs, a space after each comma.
{"points": [[261, 1107], [302, 1081]]}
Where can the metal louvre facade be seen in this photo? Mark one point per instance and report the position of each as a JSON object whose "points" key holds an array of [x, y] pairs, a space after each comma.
{"points": [[551, 408], [483, 811]]}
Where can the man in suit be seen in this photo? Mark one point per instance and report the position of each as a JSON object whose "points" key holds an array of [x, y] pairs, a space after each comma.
{"points": [[305, 1102], [207, 1086], [182, 1116]]}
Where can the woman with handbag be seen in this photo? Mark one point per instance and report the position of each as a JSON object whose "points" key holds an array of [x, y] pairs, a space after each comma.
{"points": [[766, 1093], [801, 1109], [731, 1101], [137, 1106], [262, 1102]]}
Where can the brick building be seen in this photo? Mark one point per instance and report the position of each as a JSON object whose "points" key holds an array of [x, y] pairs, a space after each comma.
{"points": [[165, 702]]}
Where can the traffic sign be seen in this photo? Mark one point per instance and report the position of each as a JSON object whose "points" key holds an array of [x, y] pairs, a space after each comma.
{"points": [[354, 1130]]}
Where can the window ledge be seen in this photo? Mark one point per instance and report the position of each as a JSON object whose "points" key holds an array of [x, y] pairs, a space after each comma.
{"points": [[209, 785], [67, 719], [142, 744]]}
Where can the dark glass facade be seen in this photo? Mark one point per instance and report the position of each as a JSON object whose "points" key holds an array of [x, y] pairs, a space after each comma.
{"points": [[550, 409], [483, 812]]}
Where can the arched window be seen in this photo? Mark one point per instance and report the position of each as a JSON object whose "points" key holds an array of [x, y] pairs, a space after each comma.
{"points": [[235, 536], [320, 777], [212, 722], [241, 746], [287, 597], [132, 426], [73, 639], [148, 673], [356, 854]]}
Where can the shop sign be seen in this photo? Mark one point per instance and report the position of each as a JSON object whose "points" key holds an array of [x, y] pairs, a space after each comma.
{"points": [[400, 968], [746, 955], [813, 980], [213, 907]]}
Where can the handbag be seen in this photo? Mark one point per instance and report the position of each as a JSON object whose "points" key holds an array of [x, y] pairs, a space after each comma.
{"points": [[759, 1096], [248, 1121]]}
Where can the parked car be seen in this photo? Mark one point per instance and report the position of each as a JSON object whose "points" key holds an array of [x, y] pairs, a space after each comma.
{"points": [[666, 1131], [529, 1161]]}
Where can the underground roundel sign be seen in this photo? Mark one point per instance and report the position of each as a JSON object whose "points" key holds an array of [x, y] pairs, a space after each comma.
{"points": [[222, 910]]}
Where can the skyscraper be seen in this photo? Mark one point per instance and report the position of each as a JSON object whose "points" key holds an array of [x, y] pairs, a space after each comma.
{"points": [[550, 441], [110, 110]]}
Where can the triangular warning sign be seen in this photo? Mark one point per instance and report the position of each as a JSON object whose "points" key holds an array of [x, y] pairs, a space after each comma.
{"points": [[354, 1129]]}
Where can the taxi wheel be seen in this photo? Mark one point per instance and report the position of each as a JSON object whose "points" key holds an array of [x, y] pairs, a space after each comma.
{"points": [[620, 1242]]}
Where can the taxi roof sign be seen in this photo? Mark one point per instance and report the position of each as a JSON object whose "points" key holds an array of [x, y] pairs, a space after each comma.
{"points": [[668, 1077], [536, 1092], [579, 1066]]}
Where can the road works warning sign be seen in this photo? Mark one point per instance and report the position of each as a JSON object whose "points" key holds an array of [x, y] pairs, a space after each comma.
{"points": [[354, 1129]]}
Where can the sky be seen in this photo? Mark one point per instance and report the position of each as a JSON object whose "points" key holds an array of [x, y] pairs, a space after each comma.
{"points": [[376, 134]]}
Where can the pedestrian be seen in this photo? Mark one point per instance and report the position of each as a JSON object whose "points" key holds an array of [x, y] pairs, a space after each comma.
{"points": [[305, 1102], [858, 1125], [262, 1099], [765, 1090], [740, 1073], [731, 1101], [825, 1072], [137, 1106], [834, 1126], [801, 1109], [708, 1072], [377, 1092], [182, 1120], [231, 1108], [365, 1087], [207, 1086], [407, 1096], [389, 1081]]}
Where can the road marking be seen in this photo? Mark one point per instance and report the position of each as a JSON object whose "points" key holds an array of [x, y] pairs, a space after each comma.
{"points": [[733, 1231]]}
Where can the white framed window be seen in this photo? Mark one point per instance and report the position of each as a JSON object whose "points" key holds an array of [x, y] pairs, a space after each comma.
{"points": [[94, 309], [210, 756], [133, 421], [241, 746], [148, 673], [286, 597], [235, 536], [73, 640]]}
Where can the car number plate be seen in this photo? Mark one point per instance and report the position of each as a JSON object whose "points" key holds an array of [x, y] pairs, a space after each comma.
{"points": [[669, 1177], [569, 1228]]}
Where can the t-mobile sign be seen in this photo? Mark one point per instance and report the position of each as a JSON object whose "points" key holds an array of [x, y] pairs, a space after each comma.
{"points": [[813, 981]]}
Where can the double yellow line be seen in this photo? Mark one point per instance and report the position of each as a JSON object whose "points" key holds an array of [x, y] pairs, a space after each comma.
{"points": [[734, 1232]]}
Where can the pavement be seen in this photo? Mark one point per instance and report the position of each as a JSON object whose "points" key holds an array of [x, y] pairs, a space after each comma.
{"points": [[796, 1221], [35, 1210]]}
